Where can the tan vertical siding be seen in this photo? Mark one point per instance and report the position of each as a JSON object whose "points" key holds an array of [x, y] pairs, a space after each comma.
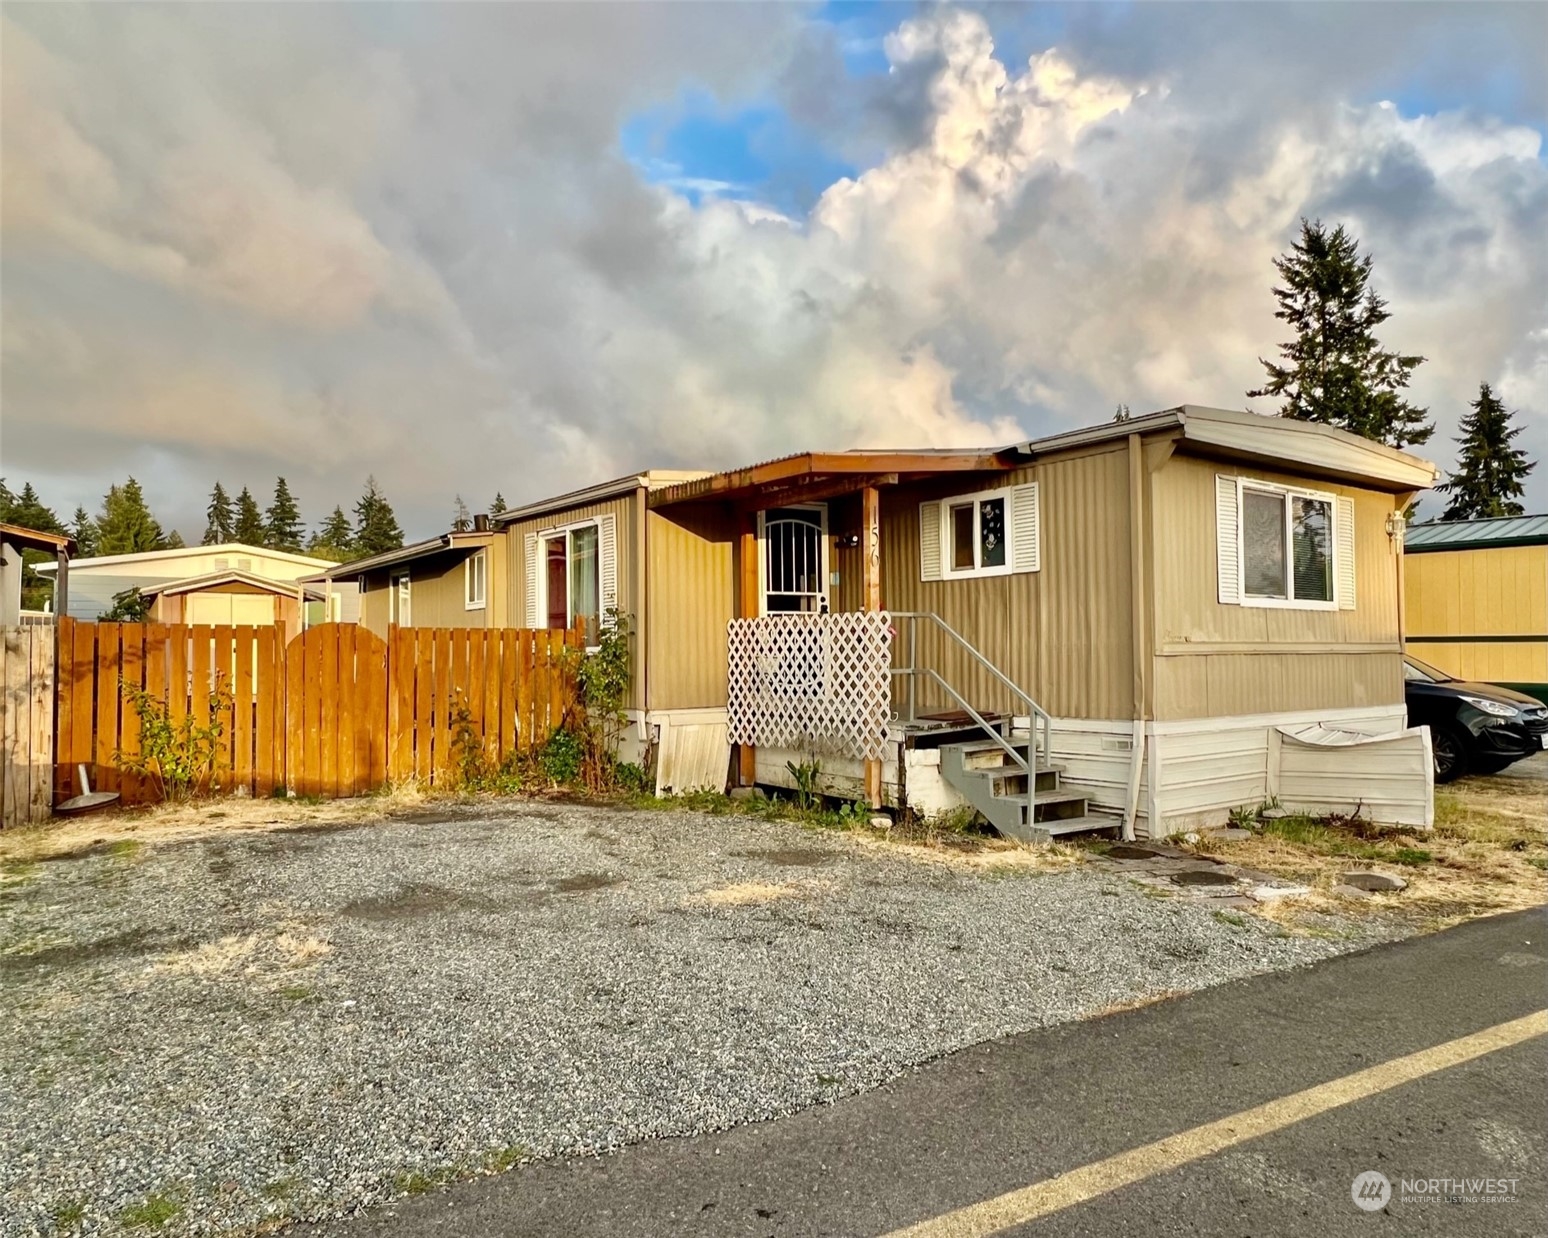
{"points": [[1484, 592], [1214, 659], [1062, 633], [691, 597]]}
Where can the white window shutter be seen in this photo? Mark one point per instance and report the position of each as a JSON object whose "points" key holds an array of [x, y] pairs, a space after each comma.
{"points": [[929, 541], [1026, 529], [532, 581], [1228, 539], [607, 563], [1345, 551]]}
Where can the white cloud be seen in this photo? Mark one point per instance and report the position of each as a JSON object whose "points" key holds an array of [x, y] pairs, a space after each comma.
{"points": [[407, 243]]}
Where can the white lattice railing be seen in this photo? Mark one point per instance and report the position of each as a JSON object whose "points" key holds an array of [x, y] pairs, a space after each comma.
{"points": [[820, 683]]}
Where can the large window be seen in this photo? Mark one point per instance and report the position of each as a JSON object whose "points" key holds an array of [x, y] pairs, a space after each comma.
{"points": [[570, 568], [475, 580], [1287, 547], [977, 539]]}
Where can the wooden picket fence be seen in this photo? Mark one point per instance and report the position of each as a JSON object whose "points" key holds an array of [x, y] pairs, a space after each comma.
{"points": [[336, 712], [26, 723]]}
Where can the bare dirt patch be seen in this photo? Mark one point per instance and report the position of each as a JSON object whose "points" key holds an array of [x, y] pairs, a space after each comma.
{"points": [[749, 893], [583, 883]]}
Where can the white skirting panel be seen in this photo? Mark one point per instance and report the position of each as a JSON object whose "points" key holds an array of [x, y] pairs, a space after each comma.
{"points": [[693, 750]]}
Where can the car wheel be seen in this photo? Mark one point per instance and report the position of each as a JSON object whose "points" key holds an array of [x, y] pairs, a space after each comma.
{"points": [[1451, 755]]}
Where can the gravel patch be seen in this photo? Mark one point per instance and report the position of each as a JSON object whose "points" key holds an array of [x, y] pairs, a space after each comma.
{"points": [[216, 1034]]}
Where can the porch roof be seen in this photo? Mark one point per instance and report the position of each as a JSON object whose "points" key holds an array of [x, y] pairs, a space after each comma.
{"points": [[811, 475]]}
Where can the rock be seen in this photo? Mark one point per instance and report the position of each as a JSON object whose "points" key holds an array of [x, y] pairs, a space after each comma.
{"points": [[1230, 835], [748, 793], [1268, 893], [1374, 882], [1352, 892], [1190, 837], [881, 821]]}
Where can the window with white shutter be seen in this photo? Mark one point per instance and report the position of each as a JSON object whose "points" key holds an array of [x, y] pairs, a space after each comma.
{"points": [[572, 575], [990, 533], [1282, 546]]}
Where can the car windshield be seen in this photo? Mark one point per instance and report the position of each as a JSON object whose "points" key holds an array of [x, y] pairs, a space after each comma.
{"points": [[1423, 672]]}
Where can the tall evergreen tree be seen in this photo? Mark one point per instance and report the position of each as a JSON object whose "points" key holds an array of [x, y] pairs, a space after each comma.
{"points": [[376, 528], [84, 530], [125, 525], [27, 510], [7, 502], [498, 506], [284, 528], [174, 541], [462, 521], [1335, 371], [247, 528], [1489, 474], [222, 520], [334, 538]]}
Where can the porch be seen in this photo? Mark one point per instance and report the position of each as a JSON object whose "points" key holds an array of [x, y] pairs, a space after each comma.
{"points": [[828, 688]]}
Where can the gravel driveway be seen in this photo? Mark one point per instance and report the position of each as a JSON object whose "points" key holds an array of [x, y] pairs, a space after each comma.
{"points": [[210, 1034]]}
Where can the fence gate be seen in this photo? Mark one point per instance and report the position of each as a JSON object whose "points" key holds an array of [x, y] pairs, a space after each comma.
{"points": [[336, 711]]}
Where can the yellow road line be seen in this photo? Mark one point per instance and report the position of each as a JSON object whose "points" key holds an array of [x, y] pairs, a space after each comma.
{"points": [[1098, 1178]]}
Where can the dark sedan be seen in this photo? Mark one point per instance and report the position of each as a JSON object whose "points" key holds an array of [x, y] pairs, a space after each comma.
{"points": [[1475, 728]]}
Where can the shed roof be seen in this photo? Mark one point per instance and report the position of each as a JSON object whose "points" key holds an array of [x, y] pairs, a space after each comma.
{"points": [[192, 584], [1476, 534], [469, 540]]}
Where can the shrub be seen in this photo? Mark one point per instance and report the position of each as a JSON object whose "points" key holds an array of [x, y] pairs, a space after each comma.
{"points": [[563, 757], [602, 678], [181, 758]]}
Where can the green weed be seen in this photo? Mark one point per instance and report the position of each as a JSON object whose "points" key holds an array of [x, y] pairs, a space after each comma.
{"points": [[152, 1212]]}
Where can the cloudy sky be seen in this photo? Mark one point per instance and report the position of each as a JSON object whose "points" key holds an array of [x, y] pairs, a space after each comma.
{"points": [[521, 247]]}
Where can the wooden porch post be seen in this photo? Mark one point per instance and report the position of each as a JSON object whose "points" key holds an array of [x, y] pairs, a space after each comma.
{"points": [[870, 588], [747, 607]]}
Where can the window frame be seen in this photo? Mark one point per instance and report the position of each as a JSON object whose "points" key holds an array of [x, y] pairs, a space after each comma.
{"points": [[976, 498], [400, 589], [568, 531], [479, 559], [1286, 494]]}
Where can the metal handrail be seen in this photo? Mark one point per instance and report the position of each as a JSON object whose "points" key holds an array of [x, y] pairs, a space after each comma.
{"points": [[1036, 714]]}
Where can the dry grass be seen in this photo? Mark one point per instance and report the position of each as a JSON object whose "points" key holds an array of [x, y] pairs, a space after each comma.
{"points": [[1487, 854], [164, 823], [747, 893], [987, 855], [252, 955]]}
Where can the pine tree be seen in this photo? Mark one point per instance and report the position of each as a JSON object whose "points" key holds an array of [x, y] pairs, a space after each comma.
{"points": [[461, 520], [7, 502], [1335, 370], [498, 506], [27, 510], [284, 528], [174, 541], [222, 522], [376, 528], [1488, 478], [84, 530], [125, 525], [334, 538], [248, 526]]}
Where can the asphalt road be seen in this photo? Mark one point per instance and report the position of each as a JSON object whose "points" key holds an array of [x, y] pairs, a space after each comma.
{"points": [[1020, 1111]]}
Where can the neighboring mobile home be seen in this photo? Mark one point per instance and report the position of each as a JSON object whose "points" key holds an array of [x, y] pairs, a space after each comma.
{"points": [[96, 581], [1183, 613], [1476, 599]]}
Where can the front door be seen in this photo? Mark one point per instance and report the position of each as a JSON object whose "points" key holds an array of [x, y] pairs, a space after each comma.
{"points": [[794, 544]]}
